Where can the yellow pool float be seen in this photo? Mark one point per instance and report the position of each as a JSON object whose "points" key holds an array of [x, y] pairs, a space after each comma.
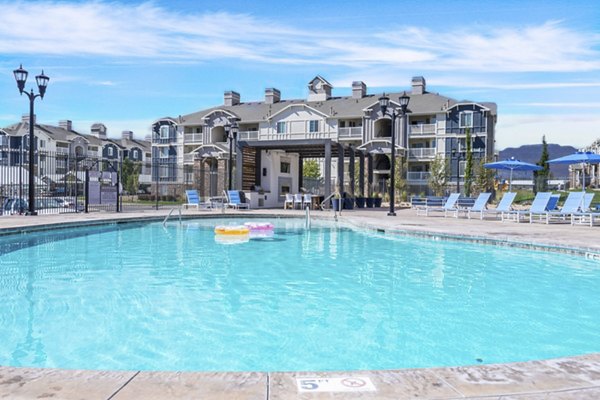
{"points": [[238, 230]]}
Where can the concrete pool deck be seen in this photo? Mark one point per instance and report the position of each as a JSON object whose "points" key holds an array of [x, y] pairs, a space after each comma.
{"points": [[575, 377]]}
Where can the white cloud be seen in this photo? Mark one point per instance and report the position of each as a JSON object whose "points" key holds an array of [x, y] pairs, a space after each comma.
{"points": [[578, 130], [559, 105], [147, 31]]}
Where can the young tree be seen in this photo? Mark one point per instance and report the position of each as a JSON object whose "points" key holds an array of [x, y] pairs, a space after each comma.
{"points": [[130, 176], [311, 169], [469, 164], [540, 178], [484, 179], [400, 184], [439, 175]]}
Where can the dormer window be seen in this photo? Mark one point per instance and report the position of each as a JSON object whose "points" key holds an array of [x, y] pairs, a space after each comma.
{"points": [[135, 154], [313, 126], [164, 131], [110, 151], [281, 127], [466, 119]]}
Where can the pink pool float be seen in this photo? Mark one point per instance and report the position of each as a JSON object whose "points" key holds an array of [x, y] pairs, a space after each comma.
{"points": [[260, 229]]}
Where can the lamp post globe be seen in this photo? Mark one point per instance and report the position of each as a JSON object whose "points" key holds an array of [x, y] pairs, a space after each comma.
{"points": [[42, 83]]}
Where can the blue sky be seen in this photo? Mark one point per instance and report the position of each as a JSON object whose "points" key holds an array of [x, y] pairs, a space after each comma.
{"points": [[128, 63]]}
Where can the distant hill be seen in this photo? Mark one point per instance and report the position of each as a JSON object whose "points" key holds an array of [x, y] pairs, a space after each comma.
{"points": [[531, 153]]}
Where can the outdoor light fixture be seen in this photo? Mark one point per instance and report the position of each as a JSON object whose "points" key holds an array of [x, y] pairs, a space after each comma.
{"points": [[384, 103], [42, 83], [231, 129]]}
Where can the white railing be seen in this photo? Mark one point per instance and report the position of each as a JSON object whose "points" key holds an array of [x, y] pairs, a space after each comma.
{"points": [[352, 132], [187, 158], [423, 152], [418, 176], [422, 129], [192, 138], [299, 135], [62, 150], [248, 135]]}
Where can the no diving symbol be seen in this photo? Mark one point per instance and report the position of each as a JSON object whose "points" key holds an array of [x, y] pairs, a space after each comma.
{"points": [[353, 382]]}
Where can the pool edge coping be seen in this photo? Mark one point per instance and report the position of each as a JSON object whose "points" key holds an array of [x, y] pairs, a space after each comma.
{"points": [[559, 367]]}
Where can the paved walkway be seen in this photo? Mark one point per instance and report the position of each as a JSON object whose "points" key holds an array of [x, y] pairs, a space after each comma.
{"points": [[566, 378]]}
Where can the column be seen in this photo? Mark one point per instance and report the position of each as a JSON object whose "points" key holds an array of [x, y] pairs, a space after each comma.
{"points": [[351, 172], [300, 172], [239, 165], [327, 172], [370, 175], [340, 169], [361, 174]]}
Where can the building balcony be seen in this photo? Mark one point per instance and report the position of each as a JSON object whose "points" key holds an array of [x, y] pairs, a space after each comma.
{"points": [[422, 129], [423, 152], [418, 176], [192, 138], [350, 133], [62, 150], [248, 135]]}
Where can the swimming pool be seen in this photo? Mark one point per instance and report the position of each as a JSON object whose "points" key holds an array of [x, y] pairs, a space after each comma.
{"points": [[140, 296]]}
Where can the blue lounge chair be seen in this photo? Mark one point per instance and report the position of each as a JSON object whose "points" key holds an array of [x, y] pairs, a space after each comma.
{"points": [[572, 205], [479, 206], [450, 205], [539, 205], [193, 199], [585, 215], [504, 206], [234, 200]]}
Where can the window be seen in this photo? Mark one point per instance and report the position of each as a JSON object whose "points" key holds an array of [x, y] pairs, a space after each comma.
{"points": [[164, 131], [466, 120], [281, 127], [135, 154], [313, 126], [42, 144], [110, 151], [163, 171], [164, 152], [286, 167]]}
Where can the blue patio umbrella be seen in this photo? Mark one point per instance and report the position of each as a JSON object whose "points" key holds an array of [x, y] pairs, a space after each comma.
{"points": [[580, 157], [512, 164]]}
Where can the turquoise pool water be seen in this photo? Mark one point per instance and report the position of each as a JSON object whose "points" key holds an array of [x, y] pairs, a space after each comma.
{"points": [[153, 298]]}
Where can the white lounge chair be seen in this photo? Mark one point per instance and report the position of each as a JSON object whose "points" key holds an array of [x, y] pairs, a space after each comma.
{"points": [[572, 205], [193, 199], [289, 199], [298, 200], [306, 200]]}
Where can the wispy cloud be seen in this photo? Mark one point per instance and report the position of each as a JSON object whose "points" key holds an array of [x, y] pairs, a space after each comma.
{"points": [[149, 32], [560, 105]]}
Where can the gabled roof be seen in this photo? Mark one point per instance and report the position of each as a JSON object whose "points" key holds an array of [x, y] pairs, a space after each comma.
{"points": [[323, 80]]}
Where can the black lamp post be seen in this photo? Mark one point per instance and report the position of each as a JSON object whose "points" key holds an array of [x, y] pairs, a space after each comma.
{"points": [[42, 83], [458, 155], [232, 130], [384, 102]]}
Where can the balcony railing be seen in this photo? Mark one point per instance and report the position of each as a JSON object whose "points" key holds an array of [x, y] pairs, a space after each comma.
{"points": [[62, 150], [192, 138], [248, 135], [422, 129], [352, 132], [418, 176], [423, 152]]}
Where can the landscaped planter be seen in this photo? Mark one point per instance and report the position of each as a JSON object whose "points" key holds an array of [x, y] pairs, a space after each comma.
{"points": [[369, 202], [348, 203], [377, 202], [360, 202], [336, 204]]}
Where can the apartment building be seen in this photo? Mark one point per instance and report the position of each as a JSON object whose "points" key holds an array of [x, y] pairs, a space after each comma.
{"points": [[276, 135], [62, 150]]}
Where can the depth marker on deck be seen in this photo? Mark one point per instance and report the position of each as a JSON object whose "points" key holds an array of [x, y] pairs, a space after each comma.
{"points": [[343, 384]]}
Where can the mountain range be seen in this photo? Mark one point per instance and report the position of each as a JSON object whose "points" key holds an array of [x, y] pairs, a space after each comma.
{"points": [[531, 153]]}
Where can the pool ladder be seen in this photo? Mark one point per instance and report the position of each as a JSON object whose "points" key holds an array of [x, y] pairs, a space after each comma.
{"points": [[169, 215], [307, 218]]}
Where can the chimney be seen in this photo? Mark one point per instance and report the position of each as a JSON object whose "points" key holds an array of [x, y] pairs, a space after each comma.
{"points": [[127, 135], [99, 130], [231, 98], [359, 89], [418, 85], [66, 124], [272, 95], [25, 118], [148, 137]]}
